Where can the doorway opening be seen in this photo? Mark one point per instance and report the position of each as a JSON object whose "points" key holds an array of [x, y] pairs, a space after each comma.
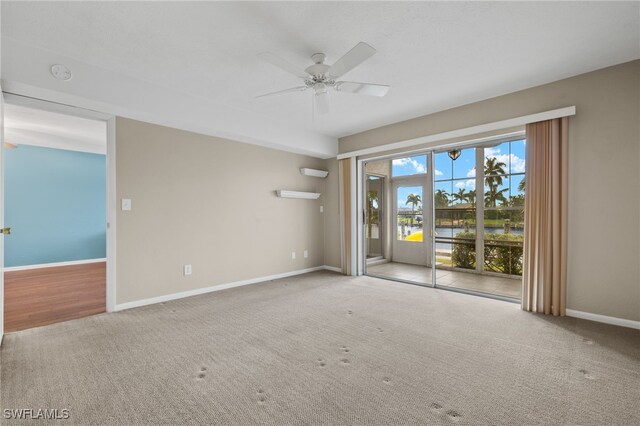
{"points": [[442, 232], [55, 202]]}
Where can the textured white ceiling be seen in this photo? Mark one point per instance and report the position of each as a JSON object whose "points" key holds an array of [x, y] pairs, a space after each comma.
{"points": [[435, 55], [29, 126]]}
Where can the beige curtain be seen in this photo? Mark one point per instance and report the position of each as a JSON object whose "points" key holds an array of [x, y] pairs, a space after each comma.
{"points": [[345, 217], [545, 229]]}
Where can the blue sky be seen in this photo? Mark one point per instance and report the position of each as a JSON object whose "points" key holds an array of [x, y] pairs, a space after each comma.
{"points": [[462, 169]]}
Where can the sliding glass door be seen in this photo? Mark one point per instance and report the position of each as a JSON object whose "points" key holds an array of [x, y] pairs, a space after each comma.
{"points": [[479, 234], [453, 219]]}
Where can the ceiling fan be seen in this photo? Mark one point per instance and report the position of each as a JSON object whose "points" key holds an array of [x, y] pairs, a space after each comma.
{"points": [[320, 77]]}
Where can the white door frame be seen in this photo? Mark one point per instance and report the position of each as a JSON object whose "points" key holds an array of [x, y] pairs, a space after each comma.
{"points": [[110, 121], [421, 251], [1, 216]]}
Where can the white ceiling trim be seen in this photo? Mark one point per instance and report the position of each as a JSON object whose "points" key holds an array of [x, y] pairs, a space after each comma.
{"points": [[149, 102], [22, 137], [467, 131], [26, 124]]}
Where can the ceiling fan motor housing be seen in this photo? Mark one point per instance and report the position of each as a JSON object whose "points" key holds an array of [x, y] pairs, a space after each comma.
{"points": [[317, 69]]}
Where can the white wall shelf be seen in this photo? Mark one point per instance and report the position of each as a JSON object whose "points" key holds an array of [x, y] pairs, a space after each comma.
{"points": [[313, 172], [283, 193]]}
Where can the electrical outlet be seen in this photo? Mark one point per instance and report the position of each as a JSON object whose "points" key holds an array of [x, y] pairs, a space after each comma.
{"points": [[306, 254], [187, 269], [321, 209], [126, 204], [293, 255]]}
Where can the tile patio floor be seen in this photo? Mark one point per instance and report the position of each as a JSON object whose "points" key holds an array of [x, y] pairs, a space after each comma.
{"points": [[501, 286]]}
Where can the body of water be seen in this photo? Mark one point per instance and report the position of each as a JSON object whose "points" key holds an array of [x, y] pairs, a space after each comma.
{"points": [[448, 232]]}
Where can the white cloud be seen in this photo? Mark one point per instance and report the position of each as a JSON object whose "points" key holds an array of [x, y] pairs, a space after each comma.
{"points": [[517, 163], [491, 152], [438, 172], [417, 167], [468, 184], [471, 173]]}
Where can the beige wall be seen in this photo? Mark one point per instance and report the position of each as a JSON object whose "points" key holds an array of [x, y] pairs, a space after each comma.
{"points": [[331, 201], [210, 202], [604, 176]]}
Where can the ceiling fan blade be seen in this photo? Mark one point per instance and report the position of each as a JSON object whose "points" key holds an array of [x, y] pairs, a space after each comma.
{"points": [[283, 64], [280, 92], [322, 102], [362, 88], [360, 53]]}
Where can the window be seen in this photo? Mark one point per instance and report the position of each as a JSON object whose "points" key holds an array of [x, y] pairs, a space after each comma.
{"points": [[457, 206], [373, 207], [455, 209], [504, 186], [409, 217]]}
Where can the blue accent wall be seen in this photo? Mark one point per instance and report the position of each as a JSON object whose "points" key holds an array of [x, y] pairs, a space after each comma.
{"points": [[55, 204]]}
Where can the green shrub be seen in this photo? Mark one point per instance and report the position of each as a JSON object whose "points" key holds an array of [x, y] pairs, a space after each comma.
{"points": [[464, 255], [502, 253]]}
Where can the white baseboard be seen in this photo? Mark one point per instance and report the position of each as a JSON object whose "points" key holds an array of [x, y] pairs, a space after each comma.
{"points": [[53, 265], [622, 322], [332, 269], [195, 292]]}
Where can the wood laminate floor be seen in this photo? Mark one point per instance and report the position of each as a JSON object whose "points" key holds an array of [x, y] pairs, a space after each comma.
{"points": [[37, 297]]}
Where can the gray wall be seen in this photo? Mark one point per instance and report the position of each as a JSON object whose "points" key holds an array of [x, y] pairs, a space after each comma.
{"points": [[210, 202], [604, 176]]}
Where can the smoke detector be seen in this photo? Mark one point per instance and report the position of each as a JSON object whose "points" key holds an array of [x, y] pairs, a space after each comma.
{"points": [[61, 72]]}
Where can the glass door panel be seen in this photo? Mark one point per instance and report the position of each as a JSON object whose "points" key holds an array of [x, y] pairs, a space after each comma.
{"points": [[373, 232], [455, 203], [409, 244], [478, 239]]}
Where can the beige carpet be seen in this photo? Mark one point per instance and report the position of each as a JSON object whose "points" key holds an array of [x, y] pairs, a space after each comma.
{"points": [[326, 349]]}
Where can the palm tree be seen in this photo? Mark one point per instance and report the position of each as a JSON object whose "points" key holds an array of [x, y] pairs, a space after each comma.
{"points": [[522, 185], [492, 196], [493, 169], [471, 196], [461, 195], [442, 198], [414, 200]]}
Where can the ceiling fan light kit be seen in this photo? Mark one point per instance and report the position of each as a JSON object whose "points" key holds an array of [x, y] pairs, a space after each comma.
{"points": [[320, 77]]}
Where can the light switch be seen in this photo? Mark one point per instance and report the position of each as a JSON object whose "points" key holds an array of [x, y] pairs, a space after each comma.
{"points": [[126, 204]]}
